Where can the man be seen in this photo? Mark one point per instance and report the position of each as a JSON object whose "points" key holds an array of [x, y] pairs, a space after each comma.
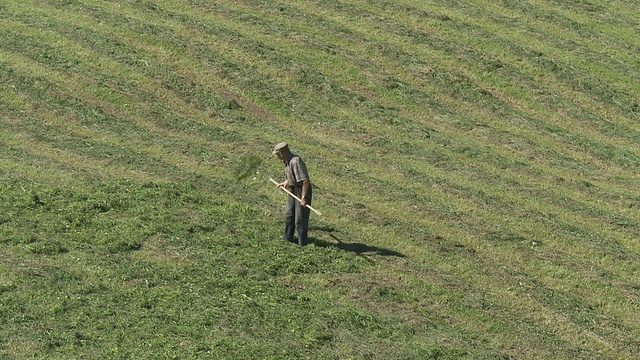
{"points": [[297, 181]]}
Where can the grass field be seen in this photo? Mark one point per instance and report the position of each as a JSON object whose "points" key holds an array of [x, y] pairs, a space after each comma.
{"points": [[477, 164]]}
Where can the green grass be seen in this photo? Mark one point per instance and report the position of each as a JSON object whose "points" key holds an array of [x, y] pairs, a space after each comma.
{"points": [[476, 164]]}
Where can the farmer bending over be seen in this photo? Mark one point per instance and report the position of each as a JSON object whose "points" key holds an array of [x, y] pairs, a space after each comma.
{"points": [[297, 181]]}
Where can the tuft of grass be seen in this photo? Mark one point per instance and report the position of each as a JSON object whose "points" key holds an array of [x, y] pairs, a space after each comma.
{"points": [[247, 165]]}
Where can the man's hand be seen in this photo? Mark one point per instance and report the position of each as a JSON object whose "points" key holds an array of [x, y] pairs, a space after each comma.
{"points": [[303, 201], [283, 185]]}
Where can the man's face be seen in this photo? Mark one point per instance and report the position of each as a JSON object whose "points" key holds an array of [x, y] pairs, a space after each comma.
{"points": [[280, 155]]}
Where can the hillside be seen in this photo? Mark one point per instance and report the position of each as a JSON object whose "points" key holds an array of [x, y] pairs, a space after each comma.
{"points": [[477, 164]]}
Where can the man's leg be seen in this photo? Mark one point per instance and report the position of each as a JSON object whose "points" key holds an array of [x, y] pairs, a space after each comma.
{"points": [[302, 220], [290, 214]]}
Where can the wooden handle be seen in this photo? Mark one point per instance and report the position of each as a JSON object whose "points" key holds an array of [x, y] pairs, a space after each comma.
{"points": [[295, 197]]}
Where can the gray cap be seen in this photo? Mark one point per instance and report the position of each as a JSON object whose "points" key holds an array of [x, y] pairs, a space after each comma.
{"points": [[279, 147]]}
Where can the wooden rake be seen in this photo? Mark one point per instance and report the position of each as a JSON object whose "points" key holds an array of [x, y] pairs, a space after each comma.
{"points": [[295, 197]]}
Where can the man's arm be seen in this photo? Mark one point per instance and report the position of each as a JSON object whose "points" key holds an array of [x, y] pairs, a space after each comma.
{"points": [[305, 190]]}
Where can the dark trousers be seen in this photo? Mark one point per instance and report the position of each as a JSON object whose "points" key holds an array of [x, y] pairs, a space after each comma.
{"points": [[296, 216]]}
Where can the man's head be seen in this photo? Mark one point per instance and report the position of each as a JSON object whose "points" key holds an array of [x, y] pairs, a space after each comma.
{"points": [[281, 150]]}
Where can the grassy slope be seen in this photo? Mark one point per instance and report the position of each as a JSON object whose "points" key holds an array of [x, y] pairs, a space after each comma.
{"points": [[477, 165]]}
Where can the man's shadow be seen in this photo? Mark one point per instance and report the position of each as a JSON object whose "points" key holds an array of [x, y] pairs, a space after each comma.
{"points": [[357, 248]]}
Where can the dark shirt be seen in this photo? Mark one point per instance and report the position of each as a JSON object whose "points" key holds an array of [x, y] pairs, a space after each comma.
{"points": [[295, 171]]}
